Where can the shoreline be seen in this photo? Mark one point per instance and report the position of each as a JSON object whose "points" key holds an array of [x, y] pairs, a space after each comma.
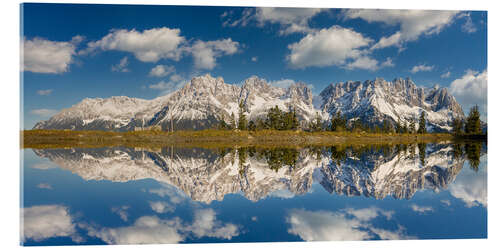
{"points": [[39, 139]]}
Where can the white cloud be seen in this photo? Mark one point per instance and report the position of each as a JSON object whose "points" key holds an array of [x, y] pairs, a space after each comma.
{"points": [[412, 23], [46, 221], [121, 211], [446, 202], [350, 224], [147, 46], [205, 224], [161, 70], [468, 26], [387, 63], [283, 83], [153, 230], [121, 66], [332, 46], [254, 218], [421, 209], [205, 53], [44, 91], [43, 56], [44, 186], [145, 230], [471, 187], [169, 191], [291, 20], [471, 89], [446, 74], [44, 165], [161, 207], [254, 59], [363, 62], [44, 112], [421, 67]]}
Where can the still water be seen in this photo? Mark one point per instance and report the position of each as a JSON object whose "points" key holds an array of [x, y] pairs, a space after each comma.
{"points": [[182, 195]]}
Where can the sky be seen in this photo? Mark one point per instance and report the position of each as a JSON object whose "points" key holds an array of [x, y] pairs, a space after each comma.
{"points": [[73, 51]]}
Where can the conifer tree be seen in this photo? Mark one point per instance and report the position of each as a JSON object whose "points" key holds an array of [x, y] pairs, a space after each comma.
{"points": [[421, 124], [242, 119], [473, 122]]}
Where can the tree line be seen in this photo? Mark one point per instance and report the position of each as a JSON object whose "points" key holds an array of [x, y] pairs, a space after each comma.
{"points": [[471, 125], [277, 119]]}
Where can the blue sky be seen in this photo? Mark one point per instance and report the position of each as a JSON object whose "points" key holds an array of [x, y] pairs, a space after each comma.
{"points": [[71, 52]]}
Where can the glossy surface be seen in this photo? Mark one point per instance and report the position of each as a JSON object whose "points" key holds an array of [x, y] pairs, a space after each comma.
{"points": [[172, 195]]}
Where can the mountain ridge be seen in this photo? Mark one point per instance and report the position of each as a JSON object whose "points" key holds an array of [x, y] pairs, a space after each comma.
{"points": [[203, 101]]}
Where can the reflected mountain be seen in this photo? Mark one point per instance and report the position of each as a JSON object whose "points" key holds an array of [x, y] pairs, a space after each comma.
{"points": [[206, 175]]}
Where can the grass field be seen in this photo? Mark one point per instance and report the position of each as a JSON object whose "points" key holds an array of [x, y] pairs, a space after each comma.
{"points": [[214, 138]]}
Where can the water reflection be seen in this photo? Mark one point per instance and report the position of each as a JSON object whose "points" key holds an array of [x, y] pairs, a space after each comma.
{"points": [[170, 195], [205, 175]]}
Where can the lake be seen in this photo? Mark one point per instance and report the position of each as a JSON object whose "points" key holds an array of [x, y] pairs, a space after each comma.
{"points": [[123, 195]]}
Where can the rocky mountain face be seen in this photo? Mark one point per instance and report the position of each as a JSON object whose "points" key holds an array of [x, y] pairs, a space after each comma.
{"points": [[204, 175], [205, 100], [399, 100]]}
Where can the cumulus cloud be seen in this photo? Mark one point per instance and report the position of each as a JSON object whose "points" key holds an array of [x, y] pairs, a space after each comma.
{"points": [[145, 230], [155, 44], [46, 221], [153, 230], [332, 46], [44, 112], [161, 70], [291, 20], [471, 187], [44, 91], [412, 23], [205, 53], [121, 66], [121, 211], [350, 224], [421, 209], [40, 55], [169, 191], [161, 207], [421, 67], [206, 225], [471, 89], [147, 46]]}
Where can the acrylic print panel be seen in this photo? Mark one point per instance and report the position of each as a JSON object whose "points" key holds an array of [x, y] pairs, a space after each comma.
{"points": [[151, 124]]}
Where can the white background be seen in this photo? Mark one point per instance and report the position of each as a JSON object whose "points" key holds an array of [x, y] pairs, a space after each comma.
{"points": [[10, 117]]}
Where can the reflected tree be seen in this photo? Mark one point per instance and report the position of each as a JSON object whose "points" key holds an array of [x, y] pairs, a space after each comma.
{"points": [[473, 154], [421, 152]]}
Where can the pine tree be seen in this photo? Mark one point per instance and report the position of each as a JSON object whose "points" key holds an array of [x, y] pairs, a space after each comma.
{"points": [[421, 124], [252, 126], [222, 123], [473, 122], [242, 119], [399, 128], [404, 130]]}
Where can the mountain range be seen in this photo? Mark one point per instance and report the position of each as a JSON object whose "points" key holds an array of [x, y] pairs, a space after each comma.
{"points": [[202, 102]]}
